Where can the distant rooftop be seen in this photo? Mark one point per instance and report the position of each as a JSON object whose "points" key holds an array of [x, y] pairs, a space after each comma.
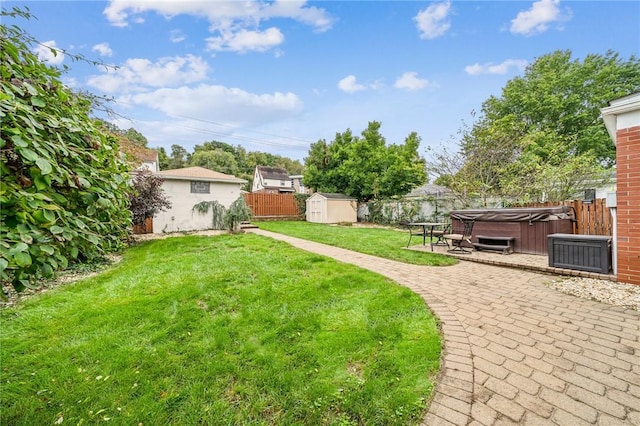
{"points": [[273, 173], [198, 173]]}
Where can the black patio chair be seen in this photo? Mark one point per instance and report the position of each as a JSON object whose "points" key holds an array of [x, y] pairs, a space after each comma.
{"points": [[462, 231], [439, 235]]}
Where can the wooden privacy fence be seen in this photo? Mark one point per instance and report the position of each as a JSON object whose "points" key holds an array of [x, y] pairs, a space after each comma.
{"points": [[145, 228], [593, 218], [266, 206]]}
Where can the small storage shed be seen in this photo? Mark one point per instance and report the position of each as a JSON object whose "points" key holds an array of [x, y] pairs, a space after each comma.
{"points": [[528, 226], [331, 208]]}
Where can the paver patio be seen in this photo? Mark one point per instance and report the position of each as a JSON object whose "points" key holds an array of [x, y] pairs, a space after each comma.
{"points": [[516, 352]]}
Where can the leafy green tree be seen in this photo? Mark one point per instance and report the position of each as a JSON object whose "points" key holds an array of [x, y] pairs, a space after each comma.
{"points": [[365, 167], [179, 157], [135, 137], [543, 138], [64, 191], [562, 97], [163, 158], [217, 159]]}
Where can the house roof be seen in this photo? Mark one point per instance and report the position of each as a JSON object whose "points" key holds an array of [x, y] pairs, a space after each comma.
{"points": [[275, 173], [147, 155], [199, 173], [624, 105], [429, 189], [136, 154]]}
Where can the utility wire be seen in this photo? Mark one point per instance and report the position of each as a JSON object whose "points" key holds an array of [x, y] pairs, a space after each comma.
{"points": [[252, 131], [240, 137]]}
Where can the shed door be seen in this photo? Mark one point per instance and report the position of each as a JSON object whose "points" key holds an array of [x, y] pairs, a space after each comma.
{"points": [[316, 211]]}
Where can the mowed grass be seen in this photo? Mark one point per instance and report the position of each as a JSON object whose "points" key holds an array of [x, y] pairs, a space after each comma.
{"points": [[381, 242], [226, 330]]}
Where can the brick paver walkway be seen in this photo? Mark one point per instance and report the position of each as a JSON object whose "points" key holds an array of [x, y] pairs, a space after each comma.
{"points": [[515, 351]]}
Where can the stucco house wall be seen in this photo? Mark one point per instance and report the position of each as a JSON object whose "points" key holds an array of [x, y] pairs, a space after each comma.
{"points": [[622, 118], [178, 186]]}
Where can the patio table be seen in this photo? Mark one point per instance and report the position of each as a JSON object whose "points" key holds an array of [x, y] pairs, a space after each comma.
{"points": [[427, 228]]}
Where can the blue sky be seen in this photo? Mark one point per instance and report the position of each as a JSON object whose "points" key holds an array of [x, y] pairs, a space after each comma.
{"points": [[276, 76]]}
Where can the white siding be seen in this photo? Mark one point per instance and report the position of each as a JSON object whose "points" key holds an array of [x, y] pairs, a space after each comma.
{"points": [[180, 217], [257, 181]]}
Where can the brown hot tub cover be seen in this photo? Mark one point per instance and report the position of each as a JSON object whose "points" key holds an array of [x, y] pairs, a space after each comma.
{"points": [[521, 214]]}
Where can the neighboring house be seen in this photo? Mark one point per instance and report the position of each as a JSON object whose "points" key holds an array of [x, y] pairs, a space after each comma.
{"points": [[331, 208], [298, 186], [188, 187], [272, 180], [436, 201], [148, 160], [622, 119], [599, 189], [139, 157]]}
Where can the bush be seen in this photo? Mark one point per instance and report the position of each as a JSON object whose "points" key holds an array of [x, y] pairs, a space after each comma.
{"points": [[218, 212], [237, 213], [64, 191], [147, 198]]}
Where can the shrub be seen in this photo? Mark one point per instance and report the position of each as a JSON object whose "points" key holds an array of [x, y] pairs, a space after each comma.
{"points": [[64, 191], [218, 212], [147, 198], [237, 213]]}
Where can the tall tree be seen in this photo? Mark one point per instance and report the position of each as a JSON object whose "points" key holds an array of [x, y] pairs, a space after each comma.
{"points": [[179, 157], [365, 167], [163, 158], [218, 160], [135, 137], [561, 98], [543, 138]]}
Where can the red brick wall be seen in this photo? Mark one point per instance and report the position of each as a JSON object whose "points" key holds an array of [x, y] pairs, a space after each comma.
{"points": [[628, 201]]}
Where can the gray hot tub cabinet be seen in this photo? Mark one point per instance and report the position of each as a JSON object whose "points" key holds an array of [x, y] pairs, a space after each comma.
{"points": [[581, 252]]}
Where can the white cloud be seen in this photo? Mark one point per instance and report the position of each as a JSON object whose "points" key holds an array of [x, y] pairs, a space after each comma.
{"points": [[350, 84], [234, 23], [103, 49], [298, 10], [177, 36], [502, 68], [244, 40], [432, 22], [137, 74], [229, 105], [410, 81], [49, 53], [537, 19]]}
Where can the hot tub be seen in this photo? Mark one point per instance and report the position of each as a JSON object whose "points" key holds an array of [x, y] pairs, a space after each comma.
{"points": [[529, 226]]}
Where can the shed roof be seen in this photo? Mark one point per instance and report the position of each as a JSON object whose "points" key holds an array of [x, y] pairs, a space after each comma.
{"points": [[334, 196], [275, 173], [199, 173]]}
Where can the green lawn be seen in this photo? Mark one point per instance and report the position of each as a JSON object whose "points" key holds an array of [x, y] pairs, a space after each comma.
{"points": [[233, 329], [381, 242]]}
